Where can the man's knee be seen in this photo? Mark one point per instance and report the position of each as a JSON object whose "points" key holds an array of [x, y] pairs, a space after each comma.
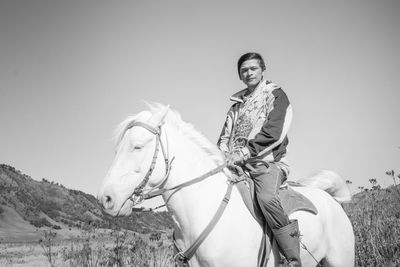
{"points": [[269, 202]]}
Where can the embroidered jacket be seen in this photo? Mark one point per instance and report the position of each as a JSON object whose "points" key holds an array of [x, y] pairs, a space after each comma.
{"points": [[267, 137]]}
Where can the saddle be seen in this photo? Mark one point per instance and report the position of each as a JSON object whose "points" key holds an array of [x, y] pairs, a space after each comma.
{"points": [[291, 201]]}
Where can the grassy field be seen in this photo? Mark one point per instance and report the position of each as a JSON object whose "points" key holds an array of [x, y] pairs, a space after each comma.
{"points": [[25, 254], [374, 213], [99, 247]]}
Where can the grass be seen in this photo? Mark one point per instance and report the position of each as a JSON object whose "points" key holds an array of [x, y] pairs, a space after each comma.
{"points": [[47, 244], [125, 249], [375, 215]]}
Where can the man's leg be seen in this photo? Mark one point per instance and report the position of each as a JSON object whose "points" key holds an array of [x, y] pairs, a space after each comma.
{"points": [[267, 181]]}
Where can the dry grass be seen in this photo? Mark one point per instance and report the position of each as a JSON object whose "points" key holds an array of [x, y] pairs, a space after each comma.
{"points": [[375, 215], [111, 248], [96, 247]]}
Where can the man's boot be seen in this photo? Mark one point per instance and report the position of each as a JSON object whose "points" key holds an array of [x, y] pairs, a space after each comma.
{"points": [[288, 241]]}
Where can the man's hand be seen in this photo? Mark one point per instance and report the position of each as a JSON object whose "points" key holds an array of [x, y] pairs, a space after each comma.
{"points": [[233, 159]]}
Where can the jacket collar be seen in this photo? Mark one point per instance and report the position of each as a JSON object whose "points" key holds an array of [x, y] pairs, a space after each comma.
{"points": [[239, 96]]}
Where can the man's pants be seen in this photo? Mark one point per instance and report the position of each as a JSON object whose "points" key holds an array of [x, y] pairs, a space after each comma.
{"points": [[267, 181]]}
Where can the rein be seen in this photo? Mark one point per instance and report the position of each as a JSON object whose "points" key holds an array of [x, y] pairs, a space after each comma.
{"points": [[138, 195]]}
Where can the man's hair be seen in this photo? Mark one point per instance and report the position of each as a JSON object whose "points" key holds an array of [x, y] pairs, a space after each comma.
{"points": [[249, 56]]}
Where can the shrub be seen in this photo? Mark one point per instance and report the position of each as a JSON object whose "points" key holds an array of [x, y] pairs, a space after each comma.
{"points": [[40, 222], [47, 244], [53, 213]]}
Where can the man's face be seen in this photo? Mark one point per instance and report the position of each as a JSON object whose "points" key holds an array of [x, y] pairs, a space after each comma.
{"points": [[251, 73]]}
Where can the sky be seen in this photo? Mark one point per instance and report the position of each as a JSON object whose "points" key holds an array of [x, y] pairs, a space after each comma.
{"points": [[70, 71]]}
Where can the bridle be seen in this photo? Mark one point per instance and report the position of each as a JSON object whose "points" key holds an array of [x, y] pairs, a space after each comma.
{"points": [[139, 195]]}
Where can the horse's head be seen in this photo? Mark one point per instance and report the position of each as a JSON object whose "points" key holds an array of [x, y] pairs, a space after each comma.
{"points": [[138, 164]]}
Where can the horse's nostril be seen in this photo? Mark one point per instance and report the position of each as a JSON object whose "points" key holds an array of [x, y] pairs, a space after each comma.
{"points": [[107, 200]]}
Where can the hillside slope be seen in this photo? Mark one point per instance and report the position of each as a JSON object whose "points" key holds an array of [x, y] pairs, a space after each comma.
{"points": [[27, 204]]}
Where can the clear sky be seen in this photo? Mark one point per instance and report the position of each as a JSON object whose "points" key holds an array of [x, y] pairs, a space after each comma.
{"points": [[70, 71]]}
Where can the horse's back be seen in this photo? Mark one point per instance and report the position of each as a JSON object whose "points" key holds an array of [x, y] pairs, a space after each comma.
{"points": [[329, 234]]}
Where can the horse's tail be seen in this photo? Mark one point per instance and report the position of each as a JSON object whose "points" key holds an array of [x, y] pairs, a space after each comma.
{"points": [[330, 182]]}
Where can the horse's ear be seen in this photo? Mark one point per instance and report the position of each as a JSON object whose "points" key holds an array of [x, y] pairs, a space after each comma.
{"points": [[158, 117]]}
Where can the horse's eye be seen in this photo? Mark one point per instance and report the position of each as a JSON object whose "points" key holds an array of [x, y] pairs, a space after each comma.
{"points": [[137, 147]]}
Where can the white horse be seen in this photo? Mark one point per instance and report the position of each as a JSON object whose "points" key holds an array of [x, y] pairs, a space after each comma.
{"points": [[236, 237]]}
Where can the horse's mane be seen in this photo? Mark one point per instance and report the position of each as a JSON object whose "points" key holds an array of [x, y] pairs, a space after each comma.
{"points": [[174, 119]]}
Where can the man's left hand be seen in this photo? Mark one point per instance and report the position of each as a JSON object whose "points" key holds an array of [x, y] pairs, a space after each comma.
{"points": [[234, 159]]}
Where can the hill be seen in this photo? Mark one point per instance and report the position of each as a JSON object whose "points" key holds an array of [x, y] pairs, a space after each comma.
{"points": [[27, 204]]}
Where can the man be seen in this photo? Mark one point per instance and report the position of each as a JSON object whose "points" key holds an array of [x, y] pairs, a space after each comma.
{"points": [[255, 132]]}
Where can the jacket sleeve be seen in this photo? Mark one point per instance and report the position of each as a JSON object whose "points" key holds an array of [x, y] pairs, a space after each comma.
{"points": [[274, 129], [223, 140]]}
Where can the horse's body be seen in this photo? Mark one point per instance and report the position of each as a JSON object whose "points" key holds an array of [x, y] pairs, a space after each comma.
{"points": [[236, 238]]}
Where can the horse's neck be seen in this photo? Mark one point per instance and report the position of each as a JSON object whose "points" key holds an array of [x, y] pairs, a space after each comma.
{"points": [[193, 206]]}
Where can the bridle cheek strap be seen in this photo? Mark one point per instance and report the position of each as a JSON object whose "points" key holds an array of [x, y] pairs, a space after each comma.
{"points": [[138, 191], [137, 196]]}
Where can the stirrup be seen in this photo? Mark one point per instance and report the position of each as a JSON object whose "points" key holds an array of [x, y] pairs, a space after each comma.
{"points": [[180, 260]]}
